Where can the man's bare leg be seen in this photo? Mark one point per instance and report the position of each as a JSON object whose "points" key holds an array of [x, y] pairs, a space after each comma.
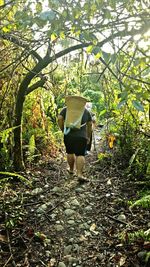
{"points": [[80, 162], [71, 162]]}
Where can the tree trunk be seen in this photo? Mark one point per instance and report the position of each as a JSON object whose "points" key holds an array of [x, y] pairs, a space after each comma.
{"points": [[24, 89], [18, 154]]}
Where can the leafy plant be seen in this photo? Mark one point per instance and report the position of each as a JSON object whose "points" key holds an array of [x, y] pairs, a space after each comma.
{"points": [[144, 202], [31, 148], [15, 217], [5, 143], [14, 214], [10, 175], [134, 236], [103, 156], [145, 235]]}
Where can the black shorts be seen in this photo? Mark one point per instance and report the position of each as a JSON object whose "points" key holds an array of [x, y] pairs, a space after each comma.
{"points": [[75, 145]]}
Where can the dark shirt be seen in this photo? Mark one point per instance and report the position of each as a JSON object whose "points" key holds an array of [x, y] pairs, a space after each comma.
{"points": [[82, 131]]}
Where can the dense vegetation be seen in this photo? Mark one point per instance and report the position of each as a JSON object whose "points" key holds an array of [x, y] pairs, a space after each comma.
{"points": [[105, 45], [98, 49]]}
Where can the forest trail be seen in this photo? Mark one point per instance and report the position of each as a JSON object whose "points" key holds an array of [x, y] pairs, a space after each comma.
{"points": [[65, 223]]}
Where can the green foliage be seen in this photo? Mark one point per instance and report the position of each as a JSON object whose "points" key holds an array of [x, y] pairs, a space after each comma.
{"points": [[132, 143], [140, 159], [5, 134], [15, 217], [95, 96], [143, 202], [5, 143], [103, 156], [138, 105], [147, 257], [12, 207], [144, 192], [148, 170], [31, 149], [133, 237], [32, 146], [39, 126], [10, 175], [145, 235], [98, 72]]}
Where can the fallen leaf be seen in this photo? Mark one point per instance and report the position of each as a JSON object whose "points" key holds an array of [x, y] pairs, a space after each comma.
{"points": [[26, 261], [52, 262], [119, 245], [93, 227], [122, 261], [3, 238], [87, 233], [82, 238], [109, 182]]}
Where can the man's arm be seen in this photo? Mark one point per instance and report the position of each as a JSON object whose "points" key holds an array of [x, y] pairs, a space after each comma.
{"points": [[61, 122], [89, 130]]}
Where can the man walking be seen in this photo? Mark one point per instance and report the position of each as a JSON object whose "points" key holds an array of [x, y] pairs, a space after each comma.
{"points": [[76, 122]]}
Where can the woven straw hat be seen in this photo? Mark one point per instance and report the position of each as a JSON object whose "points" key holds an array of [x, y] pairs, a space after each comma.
{"points": [[75, 108]]}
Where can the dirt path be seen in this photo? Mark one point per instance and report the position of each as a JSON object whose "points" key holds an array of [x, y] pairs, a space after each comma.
{"points": [[66, 223]]}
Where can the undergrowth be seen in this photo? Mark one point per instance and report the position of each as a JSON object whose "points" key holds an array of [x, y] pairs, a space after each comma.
{"points": [[144, 202]]}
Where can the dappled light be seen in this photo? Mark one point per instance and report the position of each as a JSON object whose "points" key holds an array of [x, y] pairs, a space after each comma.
{"points": [[74, 176]]}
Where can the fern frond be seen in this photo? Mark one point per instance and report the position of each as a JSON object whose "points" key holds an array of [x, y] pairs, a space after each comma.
{"points": [[11, 175], [144, 202], [31, 148], [32, 145], [5, 133], [139, 234]]}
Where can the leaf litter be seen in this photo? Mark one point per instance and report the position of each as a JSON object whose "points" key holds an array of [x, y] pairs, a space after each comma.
{"points": [[61, 222]]}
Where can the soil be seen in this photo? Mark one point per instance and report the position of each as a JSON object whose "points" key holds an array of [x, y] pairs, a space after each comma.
{"points": [[59, 221]]}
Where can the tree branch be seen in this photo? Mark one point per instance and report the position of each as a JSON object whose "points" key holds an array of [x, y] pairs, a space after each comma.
{"points": [[100, 44], [16, 41], [36, 85], [49, 59], [130, 63], [114, 74], [6, 4], [134, 78]]}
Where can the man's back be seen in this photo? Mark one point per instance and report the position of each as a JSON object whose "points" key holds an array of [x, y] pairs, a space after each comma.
{"points": [[86, 117]]}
